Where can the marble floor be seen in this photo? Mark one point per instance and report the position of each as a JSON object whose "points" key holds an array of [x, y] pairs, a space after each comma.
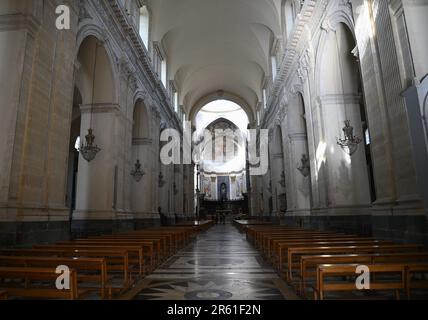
{"points": [[219, 265]]}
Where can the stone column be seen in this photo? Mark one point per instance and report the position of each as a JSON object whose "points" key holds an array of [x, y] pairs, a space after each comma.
{"points": [[36, 89], [298, 147]]}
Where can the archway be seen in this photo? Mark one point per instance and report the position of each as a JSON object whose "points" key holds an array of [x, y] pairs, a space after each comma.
{"points": [[94, 81], [142, 190], [221, 128], [221, 96]]}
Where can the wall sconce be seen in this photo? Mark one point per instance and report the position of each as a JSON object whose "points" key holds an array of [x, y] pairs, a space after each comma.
{"points": [[304, 168], [137, 173]]}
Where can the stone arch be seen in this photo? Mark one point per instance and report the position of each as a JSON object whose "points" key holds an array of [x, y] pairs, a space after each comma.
{"points": [[93, 60], [93, 32], [223, 96], [142, 153], [329, 25], [141, 111]]}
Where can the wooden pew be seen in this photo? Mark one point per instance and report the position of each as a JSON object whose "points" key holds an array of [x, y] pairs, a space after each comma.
{"points": [[133, 251], [309, 263], [116, 259], [265, 237], [3, 295], [152, 247], [273, 242], [83, 266], [156, 248], [280, 246], [26, 275], [335, 242], [148, 248], [411, 283], [294, 252], [340, 270]]}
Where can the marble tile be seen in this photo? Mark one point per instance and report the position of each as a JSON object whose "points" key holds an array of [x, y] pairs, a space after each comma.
{"points": [[219, 265]]}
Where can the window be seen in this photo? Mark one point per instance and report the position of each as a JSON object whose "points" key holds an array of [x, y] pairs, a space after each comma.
{"points": [[274, 68], [289, 17], [367, 136], [144, 26], [163, 72], [264, 99], [176, 101], [184, 121], [77, 144]]}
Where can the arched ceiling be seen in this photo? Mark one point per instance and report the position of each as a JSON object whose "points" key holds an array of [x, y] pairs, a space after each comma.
{"points": [[216, 45]]}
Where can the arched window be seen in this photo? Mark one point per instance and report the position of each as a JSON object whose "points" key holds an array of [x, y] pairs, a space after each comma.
{"points": [[288, 17], [164, 72], [144, 25], [176, 101], [274, 67], [264, 98], [77, 144]]}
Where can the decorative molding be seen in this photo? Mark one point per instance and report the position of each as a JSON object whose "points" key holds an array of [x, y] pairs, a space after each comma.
{"points": [[142, 141]]}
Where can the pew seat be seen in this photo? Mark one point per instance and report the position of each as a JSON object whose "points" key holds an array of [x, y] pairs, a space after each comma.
{"points": [[37, 283]]}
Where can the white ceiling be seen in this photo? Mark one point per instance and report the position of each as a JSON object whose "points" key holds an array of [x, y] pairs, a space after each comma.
{"points": [[214, 45]]}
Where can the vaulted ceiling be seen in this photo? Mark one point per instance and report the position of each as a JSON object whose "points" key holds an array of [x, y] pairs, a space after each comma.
{"points": [[216, 45]]}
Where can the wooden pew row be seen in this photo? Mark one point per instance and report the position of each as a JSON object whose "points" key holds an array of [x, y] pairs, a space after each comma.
{"points": [[274, 251], [348, 271], [260, 234], [127, 252], [135, 253], [269, 241], [159, 244], [295, 253], [117, 260], [29, 288], [308, 264], [150, 252], [263, 238], [377, 283], [252, 231], [89, 270], [288, 246], [281, 256]]}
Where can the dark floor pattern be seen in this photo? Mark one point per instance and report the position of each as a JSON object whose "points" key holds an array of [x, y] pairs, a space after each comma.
{"points": [[219, 265]]}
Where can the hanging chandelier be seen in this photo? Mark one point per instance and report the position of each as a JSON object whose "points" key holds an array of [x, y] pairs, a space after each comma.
{"points": [[137, 173], [89, 150], [304, 168], [350, 143]]}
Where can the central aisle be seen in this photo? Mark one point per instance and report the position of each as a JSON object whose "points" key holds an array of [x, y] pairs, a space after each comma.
{"points": [[219, 265]]}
